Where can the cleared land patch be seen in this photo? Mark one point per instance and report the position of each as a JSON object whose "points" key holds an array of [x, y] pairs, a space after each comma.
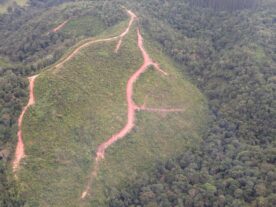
{"points": [[84, 25], [83, 105]]}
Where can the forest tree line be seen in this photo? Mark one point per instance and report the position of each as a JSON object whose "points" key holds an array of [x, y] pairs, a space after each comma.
{"points": [[230, 56], [229, 5], [233, 63], [25, 41]]}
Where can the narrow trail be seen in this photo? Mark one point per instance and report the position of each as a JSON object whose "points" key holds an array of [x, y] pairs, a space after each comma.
{"points": [[131, 108], [77, 50], [59, 27], [120, 37], [20, 148], [20, 152]]}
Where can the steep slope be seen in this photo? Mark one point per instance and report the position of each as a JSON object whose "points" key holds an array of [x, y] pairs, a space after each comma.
{"points": [[19, 152], [81, 103]]}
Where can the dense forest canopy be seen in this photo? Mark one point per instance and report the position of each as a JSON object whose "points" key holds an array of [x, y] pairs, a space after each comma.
{"points": [[229, 5], [233, 61], [229, 53]]}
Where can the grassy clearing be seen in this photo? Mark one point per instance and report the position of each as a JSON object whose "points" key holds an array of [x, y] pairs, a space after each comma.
{"points": [[84, 104], [83, 26], [115, 31], [5, 62], [4, 6]]}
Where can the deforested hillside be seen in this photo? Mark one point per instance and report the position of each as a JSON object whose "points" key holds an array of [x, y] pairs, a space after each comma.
{"points": [[110, 109], [138, 103]]}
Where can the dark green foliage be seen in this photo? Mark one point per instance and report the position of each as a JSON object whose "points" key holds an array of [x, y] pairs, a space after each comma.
{"points": [[229, 55], [22, 39], [26, 37], [26, 41], [9, 196], [46, 3], [230, 5], [12, 98], [233, 62]]}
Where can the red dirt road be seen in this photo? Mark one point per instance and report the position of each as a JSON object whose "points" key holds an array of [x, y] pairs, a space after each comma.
{"points": [[129, 97], [20, 152], [132, 107], [133, 17], [120, 37]]}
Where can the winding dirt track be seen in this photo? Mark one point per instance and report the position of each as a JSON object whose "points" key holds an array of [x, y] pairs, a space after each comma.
{"points": [[132, 108], [20, 150], [120, 37], [133, 17]]}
